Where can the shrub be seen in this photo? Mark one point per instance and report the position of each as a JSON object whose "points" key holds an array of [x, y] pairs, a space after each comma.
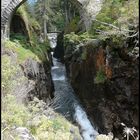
{"points": [[40, 125], [72, 26], [20, 49], [8, 71]]}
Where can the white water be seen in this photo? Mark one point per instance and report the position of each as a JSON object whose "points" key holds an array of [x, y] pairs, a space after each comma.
{"points": [[52, 37], [66, 99], [89, 133]]}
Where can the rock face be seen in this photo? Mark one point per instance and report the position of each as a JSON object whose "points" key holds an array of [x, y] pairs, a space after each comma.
{"points": [[37, 81], [59, 49], [106, 81], [40, 74], [23, 133]]}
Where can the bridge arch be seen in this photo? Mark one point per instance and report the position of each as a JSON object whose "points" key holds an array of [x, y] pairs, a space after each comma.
{"points": [[83, 6], [8, 9]]}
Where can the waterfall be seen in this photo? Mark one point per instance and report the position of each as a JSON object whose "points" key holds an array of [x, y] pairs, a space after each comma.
{"points": [[65, 100]]}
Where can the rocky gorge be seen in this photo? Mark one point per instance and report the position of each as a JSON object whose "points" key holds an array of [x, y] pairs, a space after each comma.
{"points": [[106, 83], [80, 82]]}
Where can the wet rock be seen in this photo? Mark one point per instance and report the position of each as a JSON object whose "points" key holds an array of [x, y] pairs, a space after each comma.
{"points": [[59, 49], [40, 74]]}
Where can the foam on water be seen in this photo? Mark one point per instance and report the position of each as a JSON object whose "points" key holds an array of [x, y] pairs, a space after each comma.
{"points": [[60, 78], [55, 67], [88, 132]]}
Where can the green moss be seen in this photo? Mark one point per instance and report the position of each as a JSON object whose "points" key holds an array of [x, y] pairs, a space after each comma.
{"points": [[100, 77], [21, 50], [32, 25], [24, 15], [24, 49]]}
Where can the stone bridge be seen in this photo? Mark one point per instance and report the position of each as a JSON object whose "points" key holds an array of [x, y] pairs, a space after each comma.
{"points": [[7, 10], [88, 9]]}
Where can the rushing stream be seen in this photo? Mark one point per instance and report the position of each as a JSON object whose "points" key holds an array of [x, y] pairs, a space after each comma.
{"points": [[65, 101]]}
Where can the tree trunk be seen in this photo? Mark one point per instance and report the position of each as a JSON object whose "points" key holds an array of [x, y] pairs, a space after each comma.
{"points": [[66, 12], [45, 21], [45, 29]]}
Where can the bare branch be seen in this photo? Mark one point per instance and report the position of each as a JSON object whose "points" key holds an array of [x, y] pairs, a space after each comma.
{"points": [[4, 129], [111, 25], [133, 34], [119, 32]]}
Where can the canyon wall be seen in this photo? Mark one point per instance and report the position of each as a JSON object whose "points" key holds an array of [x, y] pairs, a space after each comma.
{"points": [[106, 80]]}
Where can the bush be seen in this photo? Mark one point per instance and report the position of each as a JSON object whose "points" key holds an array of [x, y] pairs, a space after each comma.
{"points": [[8, 72], [73, 25], [77, 39], [20, 49], [41, 126]]}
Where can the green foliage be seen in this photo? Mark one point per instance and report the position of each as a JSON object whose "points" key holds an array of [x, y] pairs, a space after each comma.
{"points": [[76, 39], [117, 40], [24, 15], [17, 114], [25, 49], [58, 22], [54, 14], [35, 24], [32, 25], [100, 77], [30, 47], [14, 113], [72, 38], [18, 36], [23, 52], [8, 71], [85, 36], [73, 25], [53, 126], [118, 13]]}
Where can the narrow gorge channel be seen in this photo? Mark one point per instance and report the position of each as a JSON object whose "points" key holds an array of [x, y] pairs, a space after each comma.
{"points": [[65, 102], [70, 69]]}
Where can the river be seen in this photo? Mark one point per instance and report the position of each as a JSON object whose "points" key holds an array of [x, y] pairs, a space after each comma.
{"points": [[65, 101]]}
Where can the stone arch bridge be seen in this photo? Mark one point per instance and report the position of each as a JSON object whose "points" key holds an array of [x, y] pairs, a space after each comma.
{"points": [[88, 9]]}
